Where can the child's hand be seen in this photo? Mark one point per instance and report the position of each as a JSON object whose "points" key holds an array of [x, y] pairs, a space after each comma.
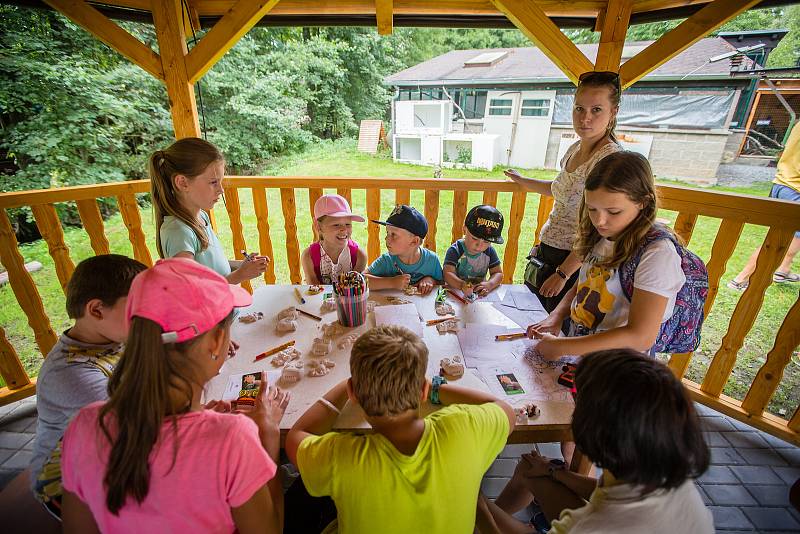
{"points": [[218, 406], [484, 288], [250, 269], [512, 173], [232, 348], [466, 288], [402, 281], [552, 286], [426, 284], [551, 325], [270, 405], [549, 347], [532, 465]]}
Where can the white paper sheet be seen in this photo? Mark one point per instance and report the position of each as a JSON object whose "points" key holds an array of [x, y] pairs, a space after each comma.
{"points": [[401, 315], [480, 348]]}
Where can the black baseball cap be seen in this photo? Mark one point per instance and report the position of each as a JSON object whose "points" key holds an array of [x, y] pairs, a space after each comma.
{"points": [[407, 218], [485, 222]]}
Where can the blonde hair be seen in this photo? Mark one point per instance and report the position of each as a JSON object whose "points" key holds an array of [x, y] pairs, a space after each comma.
{"points": [[387, 366], [621, 172], [190, 157]]}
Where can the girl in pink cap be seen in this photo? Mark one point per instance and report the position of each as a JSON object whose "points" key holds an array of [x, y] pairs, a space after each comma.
{"points": [[153, 458], [335, 252]]}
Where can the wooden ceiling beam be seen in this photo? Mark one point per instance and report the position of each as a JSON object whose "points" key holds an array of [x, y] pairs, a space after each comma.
{"points": [[537, 26], [613, 29], [110, 33], [384, 16], [225, 33], [672, 43]]}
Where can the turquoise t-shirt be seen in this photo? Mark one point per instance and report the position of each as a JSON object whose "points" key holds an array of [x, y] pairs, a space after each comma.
{"points": [[177, 236], [428, 265]]}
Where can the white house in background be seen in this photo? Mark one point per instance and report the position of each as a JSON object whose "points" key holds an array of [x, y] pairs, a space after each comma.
{"points": [[512, 107]]}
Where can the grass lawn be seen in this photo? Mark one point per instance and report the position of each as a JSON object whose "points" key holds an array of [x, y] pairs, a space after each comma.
{"points": [[341, 159]]}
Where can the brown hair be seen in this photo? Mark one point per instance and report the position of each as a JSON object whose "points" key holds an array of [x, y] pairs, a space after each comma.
{"points": [[609, 80], [190, 157], [634, 418], [106, 277], [621, 172], [387, 366], [139, 402]]}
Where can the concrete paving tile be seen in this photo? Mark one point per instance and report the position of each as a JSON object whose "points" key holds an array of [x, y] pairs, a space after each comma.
{"points": [[703, 494], [29, 445], [14, 440], [792, 456], [716, 424], [756, 474], [715, 439], [18, 461], [502, 467], [491, 487], [729, 517], [725, 456], [778, 443], [5, 454], [718, 474], [726, 531], [727, 494], [702, 409], [788, 474], [770, 495], [761, 457], [771, 518], [750, 440], [516, 450], [551, 450], [738, 425]]}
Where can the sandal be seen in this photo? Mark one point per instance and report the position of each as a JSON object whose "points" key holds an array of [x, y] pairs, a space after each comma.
{"points": [[780, 277], [738, 286]]}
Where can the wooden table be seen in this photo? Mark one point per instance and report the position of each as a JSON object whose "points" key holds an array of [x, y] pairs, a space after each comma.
{"points": [[551, 425]]}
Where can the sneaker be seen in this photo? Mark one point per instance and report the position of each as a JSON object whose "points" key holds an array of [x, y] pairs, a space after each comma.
{"points": [[780, 277], [738, 286]]}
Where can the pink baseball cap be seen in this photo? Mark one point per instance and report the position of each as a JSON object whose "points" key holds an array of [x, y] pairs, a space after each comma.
{"points": [[184, 297], [334, 206]]}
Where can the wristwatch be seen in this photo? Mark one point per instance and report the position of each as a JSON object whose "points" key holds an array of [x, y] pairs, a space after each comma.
{"points": [[561, 273], [555, 465], [436, 381]]}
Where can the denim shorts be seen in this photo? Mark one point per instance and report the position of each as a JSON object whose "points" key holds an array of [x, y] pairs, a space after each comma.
{"points": [[785, 193]]}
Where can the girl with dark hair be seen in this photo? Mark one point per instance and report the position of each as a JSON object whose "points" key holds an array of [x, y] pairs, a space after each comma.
{"points": [[634, 420], [185, 183], [594, 117], [632, 271], [153, 458]]}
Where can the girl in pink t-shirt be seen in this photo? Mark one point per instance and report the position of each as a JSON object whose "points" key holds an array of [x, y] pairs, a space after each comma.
{"points": [[152, 458]]}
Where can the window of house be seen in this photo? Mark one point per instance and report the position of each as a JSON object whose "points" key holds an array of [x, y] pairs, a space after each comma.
{"points": [[535, 108], [500, 106]]}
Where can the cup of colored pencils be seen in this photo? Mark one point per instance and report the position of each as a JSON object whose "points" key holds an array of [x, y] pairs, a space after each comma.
{"points": [[351, 295]]}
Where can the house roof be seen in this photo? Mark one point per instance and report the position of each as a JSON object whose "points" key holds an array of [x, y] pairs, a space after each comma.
{"points": [[529, 64]]}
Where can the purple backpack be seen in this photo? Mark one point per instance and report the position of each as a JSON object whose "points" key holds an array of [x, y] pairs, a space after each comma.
{"points": [[681, 332]]}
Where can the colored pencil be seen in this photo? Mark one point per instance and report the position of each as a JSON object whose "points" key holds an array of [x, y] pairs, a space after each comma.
{"points": [[276, 350], [508, 337], [308, 314], [439, 320], [455, 296], [299, 296]]}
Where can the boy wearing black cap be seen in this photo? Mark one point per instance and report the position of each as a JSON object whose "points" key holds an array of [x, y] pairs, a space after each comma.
{"points": [[406, 261], [469, 259]]}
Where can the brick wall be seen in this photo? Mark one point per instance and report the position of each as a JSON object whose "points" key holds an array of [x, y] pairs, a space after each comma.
{"points": [[683, 154]]}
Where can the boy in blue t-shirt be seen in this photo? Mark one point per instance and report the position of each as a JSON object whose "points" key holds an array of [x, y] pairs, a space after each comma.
{"points": [[468, 260], [406, 262]]}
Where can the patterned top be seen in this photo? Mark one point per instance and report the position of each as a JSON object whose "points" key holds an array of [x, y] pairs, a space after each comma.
{"points": [[329, 270], [562, 225]]}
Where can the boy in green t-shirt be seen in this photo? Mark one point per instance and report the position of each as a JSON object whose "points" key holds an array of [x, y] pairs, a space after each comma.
{"points": [[412, 474]]}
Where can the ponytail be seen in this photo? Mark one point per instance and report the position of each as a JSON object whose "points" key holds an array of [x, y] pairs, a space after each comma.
{"points": [[141, 396], [190, 157]]}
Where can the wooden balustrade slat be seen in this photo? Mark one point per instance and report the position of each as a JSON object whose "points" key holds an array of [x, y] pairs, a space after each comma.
{"points": [[11, 368], [542, 214], [373, 230], [402, 196], [314, 194], [133, 221], [262, 223], [770, 374], [25, 290], [744, 315], [289, 208], [459, 213], [237, 231], [346, 193], [679, 363], [92, 221], [50, 227], [432, 214], [684, 226], [518, 199], [490, 198], [724, 245]]}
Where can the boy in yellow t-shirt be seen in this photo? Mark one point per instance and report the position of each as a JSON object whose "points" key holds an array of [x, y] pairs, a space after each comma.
{"points": [[412, 474]]}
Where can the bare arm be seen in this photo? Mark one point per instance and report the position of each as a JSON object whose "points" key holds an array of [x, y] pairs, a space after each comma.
{"points": [[452, 394], [361, 260], [76, 515], [262, 513], [317, 420], [543, 187], [400, 281], [581, 485], [451, 278], [308, 268]]}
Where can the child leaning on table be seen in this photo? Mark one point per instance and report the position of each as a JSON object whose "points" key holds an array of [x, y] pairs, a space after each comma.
{"points": [[413, 474], [469, 259], [153, 458], [76, 370], [406, 261], [334, 222]]}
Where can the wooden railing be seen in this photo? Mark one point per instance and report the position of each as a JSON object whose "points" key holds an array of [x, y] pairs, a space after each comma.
{"points": [[782, 219]]}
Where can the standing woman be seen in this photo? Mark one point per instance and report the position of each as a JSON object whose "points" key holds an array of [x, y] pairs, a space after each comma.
{"points": [[594, 117]]}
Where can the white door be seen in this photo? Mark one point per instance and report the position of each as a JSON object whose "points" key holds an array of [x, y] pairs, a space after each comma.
{"points": [[532, 129], [501, 109]]}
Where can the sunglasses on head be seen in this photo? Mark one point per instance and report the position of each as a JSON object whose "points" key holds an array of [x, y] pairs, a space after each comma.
{"points": [[599, 77]]}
